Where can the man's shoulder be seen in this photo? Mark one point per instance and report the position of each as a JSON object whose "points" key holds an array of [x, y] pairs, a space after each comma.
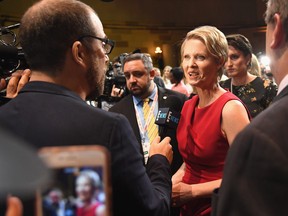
{"points": [[122, 104], [266, 133], [159, 81]]}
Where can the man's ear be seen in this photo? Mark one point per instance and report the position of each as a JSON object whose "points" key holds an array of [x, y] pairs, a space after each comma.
{"points": [[152, 73], [79, 53], [278, 34]]}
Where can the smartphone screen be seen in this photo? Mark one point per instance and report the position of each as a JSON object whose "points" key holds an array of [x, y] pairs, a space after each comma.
{"points": [[80, 185], [75, 191]]}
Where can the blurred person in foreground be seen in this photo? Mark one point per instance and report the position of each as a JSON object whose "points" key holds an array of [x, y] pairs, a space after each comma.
{"points": [[22, 173], [66, 48], [209, 122], [256, 93], [255, 180]]}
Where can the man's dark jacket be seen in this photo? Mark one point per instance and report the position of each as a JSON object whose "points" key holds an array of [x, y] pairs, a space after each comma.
{"points": [[126, 107], [45, 114], [255, 180]]}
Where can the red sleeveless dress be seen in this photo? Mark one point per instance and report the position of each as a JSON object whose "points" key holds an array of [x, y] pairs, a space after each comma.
{"points": [[203, 147], [88, 211]]}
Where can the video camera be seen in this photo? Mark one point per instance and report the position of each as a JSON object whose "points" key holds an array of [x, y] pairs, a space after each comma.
{"points": [[113, 79], [115, 76], [11, 57]]}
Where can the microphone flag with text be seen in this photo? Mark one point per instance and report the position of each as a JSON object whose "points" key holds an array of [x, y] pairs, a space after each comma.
{"points": [[168, 117]]}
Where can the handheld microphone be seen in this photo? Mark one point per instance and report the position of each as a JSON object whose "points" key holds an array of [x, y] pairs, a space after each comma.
{"points": [[169, 116]]}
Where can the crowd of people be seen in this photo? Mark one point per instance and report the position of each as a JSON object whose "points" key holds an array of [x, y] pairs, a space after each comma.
{"points": [[228, 147]]}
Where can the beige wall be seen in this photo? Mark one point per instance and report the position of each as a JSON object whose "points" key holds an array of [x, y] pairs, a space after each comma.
{"points": [[127, 40], [151, 23]]}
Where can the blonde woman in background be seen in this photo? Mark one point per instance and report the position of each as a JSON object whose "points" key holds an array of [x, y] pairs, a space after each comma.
{"points": [[166, 76], [255, 68]]}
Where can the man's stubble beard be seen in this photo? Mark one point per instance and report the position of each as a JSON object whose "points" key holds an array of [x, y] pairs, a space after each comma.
{"points": [[143, 92], [96, 79]]}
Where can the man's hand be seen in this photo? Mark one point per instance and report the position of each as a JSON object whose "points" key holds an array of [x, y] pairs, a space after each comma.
{"points": [[116, 92], [164, 148], [17, 81]]}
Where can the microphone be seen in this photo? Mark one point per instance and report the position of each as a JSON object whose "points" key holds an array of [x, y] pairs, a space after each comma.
{"points": [[168, 117]]}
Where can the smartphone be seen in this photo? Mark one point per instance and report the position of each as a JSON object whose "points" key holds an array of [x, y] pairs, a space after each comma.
{"points": [[80, 184]]}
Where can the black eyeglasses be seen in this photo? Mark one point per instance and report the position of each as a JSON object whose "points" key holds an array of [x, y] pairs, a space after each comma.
{"points": [[108, 44]]}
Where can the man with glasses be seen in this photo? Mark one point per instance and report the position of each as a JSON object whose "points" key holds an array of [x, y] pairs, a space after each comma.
{"points": [[255, 180], [66, 49]]}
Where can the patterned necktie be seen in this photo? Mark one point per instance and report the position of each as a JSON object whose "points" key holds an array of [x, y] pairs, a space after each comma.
{"points": [[152, 129]]}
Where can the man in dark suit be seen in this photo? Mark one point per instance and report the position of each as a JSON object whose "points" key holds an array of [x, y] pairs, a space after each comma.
{"points": [[66, 48], [159, 82], [139, 73], [255, 180]]}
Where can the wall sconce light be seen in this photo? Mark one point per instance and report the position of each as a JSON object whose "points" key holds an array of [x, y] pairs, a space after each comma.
{"points": [[159, 58], [158, 50]]}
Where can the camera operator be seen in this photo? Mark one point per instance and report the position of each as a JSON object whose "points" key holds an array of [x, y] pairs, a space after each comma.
{"points": [[119, 89], [115, 84], [12, 64]]}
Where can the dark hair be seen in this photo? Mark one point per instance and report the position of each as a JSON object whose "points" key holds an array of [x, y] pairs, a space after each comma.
{"points": [[240, 42], [177, 73], [49, 28]]}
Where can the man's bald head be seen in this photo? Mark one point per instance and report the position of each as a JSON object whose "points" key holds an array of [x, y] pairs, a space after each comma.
{"points": [[48, 30]]}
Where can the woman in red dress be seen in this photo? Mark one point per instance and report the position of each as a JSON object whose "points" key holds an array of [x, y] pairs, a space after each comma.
{"points": [[209, 122], [87, 204]]}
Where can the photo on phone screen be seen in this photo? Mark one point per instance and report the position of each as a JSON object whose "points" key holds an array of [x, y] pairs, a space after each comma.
{"points": [[80, 185]]}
